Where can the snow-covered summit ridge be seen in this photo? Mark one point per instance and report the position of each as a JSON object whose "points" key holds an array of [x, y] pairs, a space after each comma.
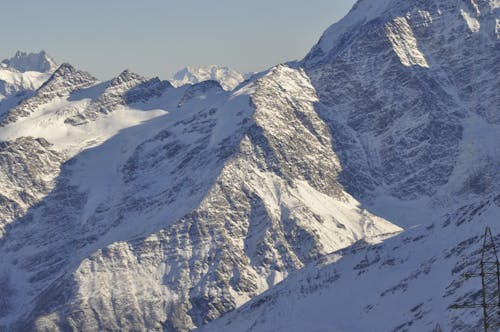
{"points": [[65, 80], [24, 62], [74, 110], [396, 80], [396, 16], [227, 77]]}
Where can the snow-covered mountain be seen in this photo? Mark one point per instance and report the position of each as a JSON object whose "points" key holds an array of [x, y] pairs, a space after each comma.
{"points": [[228, 78], [411, 97], [211, 188], [338, 193], [24, 62]]}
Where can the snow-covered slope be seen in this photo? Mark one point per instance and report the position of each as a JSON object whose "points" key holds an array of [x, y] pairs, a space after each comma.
{"points": [[407, 283], [151, 207], [16, 86], [12, 82], [64, 109], [227, 77]]}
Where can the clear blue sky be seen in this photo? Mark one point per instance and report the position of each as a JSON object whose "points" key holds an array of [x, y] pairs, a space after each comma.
{"points": [[158, 37]]}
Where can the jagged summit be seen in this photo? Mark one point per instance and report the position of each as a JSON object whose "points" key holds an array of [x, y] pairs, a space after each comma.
{"points": [[67, 70], [227, 77], [65, 80], [126, 76], [24, 62], [64, 69]]}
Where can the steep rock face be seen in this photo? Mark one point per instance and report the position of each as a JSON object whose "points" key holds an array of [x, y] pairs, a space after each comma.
{"points": [[28, 170], [396, 80], [95, 204], [238, 207]]}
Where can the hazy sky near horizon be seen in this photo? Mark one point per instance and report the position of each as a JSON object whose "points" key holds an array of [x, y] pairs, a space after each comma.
{"points": [[158, 37]]}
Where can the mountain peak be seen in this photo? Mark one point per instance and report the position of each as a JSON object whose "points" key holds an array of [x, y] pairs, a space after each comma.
{"points": [[69, 77], [64, 69], [126, 76], [398, 21], [23, 62], [227, 77]]}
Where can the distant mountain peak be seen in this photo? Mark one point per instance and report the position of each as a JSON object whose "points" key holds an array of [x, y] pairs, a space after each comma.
{"points": [[23, 62], [227, 77]]}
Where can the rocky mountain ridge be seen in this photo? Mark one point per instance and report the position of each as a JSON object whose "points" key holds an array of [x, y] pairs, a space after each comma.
{"points": [[153, 208]]}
